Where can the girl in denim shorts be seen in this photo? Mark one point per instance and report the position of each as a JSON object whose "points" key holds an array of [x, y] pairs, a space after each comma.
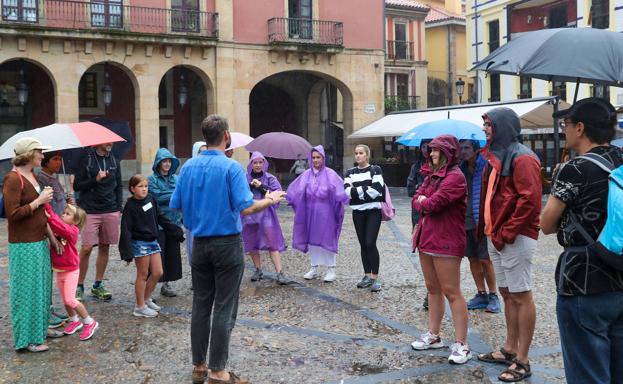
{"points": [[138, 241]]}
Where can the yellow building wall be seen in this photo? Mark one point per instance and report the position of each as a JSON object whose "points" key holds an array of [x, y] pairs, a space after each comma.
{"points": [[437, 52]]}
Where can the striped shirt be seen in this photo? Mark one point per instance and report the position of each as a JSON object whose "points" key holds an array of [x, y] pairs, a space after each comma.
{"points": [[365, 187]]}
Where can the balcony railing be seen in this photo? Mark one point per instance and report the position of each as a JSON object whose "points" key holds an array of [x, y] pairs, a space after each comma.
{"points": [[399, 50], [305, 31], [400, 103], [98, 15]]}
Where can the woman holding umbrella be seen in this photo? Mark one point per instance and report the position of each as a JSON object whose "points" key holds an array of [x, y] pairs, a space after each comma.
{"points": [[261, 231], [30, 272], [317, 197]]}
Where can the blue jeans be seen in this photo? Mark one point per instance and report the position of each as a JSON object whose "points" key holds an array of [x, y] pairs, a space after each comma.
{"points": [[217, 268], [591, 334]]}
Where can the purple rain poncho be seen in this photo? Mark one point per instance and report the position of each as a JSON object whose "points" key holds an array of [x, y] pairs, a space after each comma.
{"points": [[261, 231], [318, 199]]}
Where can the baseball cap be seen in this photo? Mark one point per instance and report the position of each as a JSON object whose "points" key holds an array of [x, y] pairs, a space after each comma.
{"points": [[589, 110], [26, 144]]}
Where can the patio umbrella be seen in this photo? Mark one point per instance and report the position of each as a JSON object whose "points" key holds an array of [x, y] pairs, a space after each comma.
{"points": [[63, 136], [280, 145], [462, 130], [581, 55], [239, 140]]}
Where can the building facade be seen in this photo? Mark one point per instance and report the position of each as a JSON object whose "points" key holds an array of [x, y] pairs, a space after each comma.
{"points": [[309, 67], [492, 23]]}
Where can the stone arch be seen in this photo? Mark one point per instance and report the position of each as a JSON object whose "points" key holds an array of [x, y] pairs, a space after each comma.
{"points": [[306, 89], [180, 124], [124, 104]]}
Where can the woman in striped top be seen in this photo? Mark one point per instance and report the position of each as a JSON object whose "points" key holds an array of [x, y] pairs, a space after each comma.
{"points": [[365, 187]]}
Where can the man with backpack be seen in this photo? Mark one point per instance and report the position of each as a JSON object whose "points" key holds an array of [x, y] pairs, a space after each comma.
{"points": [[590, 288]]}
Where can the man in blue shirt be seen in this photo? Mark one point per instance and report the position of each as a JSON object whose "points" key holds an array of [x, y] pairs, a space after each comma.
{"points": [[212, 191]]}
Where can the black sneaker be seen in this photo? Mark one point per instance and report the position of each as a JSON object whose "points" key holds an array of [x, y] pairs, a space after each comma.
{"points": [[257, 275], [425, 302], [366, 282]]}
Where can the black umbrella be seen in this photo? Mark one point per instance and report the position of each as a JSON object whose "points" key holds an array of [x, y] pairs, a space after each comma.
{"points": [[73, 157], [580, 55]]}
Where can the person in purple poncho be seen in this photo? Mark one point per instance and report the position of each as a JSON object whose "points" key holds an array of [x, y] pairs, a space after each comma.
{"points": [[261, 231], [317, 197]]}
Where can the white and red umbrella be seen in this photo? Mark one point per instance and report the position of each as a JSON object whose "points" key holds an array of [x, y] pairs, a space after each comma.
{"points": [[63, 136]]}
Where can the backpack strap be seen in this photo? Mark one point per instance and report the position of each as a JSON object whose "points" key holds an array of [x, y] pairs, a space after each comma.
{"points": [[21, 180], [599, 161]]}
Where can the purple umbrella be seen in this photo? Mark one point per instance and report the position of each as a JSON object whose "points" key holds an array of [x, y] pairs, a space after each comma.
{"points": [[280, 145]]}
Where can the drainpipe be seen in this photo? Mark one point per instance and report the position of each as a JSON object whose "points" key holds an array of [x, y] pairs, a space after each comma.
{"points": [[450, 42], [477, 79]]}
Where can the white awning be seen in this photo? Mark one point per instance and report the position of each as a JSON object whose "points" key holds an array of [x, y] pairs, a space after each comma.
{"points": [[534, 113]]}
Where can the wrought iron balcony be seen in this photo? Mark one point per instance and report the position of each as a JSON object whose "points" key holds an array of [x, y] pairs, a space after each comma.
{"points": [[305, 31], [109, 16], [400, 103], [399, 50]]}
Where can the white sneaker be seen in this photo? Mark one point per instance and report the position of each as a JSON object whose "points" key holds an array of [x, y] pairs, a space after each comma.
{"points": [[330, 275], [427, 341], [144, 312], [150, 303], [312, 274], [460, 354]]}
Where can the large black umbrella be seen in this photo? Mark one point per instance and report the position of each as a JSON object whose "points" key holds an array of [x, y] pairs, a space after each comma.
{"points": [[580, 55], [72, 158]]}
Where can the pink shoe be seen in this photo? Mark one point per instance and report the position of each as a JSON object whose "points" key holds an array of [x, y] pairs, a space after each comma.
{"points": [[89, 330], [73, 327]]}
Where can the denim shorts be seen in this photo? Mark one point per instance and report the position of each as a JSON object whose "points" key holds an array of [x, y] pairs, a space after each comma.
{"points": [[142, 248]]}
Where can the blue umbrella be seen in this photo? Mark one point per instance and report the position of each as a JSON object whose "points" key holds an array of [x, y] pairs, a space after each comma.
{"points": [[462, 130], [617, 142]]}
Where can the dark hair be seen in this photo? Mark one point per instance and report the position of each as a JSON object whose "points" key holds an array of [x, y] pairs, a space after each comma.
{"points": [[475, 144], [135, 180], [598, 116], [47, 156], [213, 128]]}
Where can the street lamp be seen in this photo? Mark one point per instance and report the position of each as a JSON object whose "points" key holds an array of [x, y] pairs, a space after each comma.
{"points": [[106, 91], [182, 92], [22, 89], [460, 88]]}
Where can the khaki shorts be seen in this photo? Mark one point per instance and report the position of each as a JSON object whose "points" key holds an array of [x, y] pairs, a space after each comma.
{"points": [[101, 228], [513, 265]]}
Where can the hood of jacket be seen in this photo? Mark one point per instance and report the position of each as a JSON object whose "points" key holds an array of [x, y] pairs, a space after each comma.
{"points": [[164, 154], [196, 147], [504, 145], [450, 147], [320, 150], [254, 156]]}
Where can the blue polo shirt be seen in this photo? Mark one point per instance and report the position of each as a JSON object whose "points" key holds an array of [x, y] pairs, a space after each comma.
{"points": [[211, 191]]}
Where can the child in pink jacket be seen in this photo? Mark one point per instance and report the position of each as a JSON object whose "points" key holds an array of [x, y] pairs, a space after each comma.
{"points": [[67, 267]]}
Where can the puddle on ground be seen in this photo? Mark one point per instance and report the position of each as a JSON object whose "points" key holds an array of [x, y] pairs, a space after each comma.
{"points": [[256, 292], [367, 369]]}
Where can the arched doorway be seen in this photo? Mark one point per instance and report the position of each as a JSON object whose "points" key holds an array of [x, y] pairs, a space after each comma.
{"points": [[309, 104], [183, 97], [108, 90], [27, 97]]}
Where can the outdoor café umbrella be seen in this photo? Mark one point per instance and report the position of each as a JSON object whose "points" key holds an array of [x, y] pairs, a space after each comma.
{"points": [[462, 130], [63, 136], [580, 55], [239, 140], [280, 145]]}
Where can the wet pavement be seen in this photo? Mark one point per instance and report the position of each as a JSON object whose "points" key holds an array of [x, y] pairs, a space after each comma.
{"points": [[305, 332]]}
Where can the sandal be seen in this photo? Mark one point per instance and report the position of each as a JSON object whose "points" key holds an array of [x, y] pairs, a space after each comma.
{"points": [[516, 373], [490, 358], [37, 348]]}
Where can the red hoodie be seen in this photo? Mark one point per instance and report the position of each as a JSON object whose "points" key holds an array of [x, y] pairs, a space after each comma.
{"points": [[441, 228], [68, 234]]}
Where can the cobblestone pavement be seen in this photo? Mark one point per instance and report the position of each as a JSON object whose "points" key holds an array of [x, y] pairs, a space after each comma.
{"points": [[305, 332]]}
